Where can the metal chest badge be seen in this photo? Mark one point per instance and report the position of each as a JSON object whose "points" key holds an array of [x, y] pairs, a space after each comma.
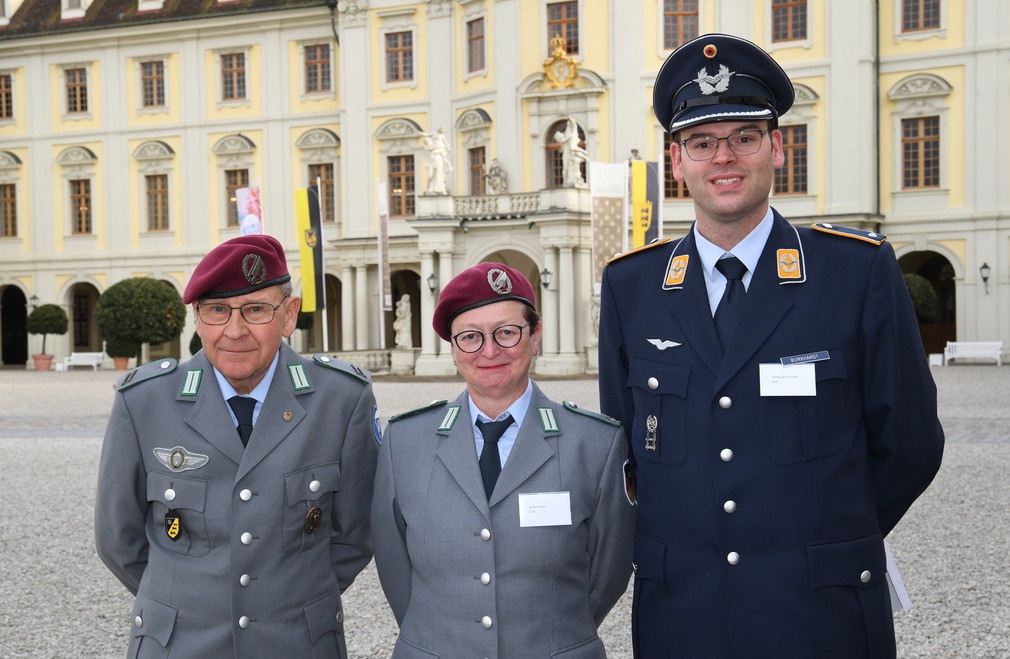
{"points": [[651, 425], [312, 519]]}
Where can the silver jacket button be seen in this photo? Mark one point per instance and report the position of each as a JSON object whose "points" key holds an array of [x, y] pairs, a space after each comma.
{"points": [[732, 558], [245, 580], [725, 402], [245, 495], [243, 622], [485, 535], [169, 494], [865, 576], [729, 506], [246, 538], [314, 486], [485, 578], [486, 622], [653, 383], [138, 621], [340, 616], [726, 454]]}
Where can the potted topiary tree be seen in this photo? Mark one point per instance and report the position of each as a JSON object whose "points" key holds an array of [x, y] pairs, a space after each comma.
{"points": [[137, 311], [121, 351], [46, 319]]}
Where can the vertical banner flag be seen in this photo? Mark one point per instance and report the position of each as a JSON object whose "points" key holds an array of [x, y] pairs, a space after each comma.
{"points": [[250, 211], [310, 232], [645, 206], [382, 204], [608, 188]]}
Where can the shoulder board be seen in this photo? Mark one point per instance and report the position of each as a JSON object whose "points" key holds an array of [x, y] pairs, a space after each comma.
{"points": [[609, 420], [848, 232], [343, 367], [638, 249], [146, 372], [430, 406]]}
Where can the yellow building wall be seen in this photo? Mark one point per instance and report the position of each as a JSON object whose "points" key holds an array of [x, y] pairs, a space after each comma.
{"points": [[951, 137], [477, 81], [138, 190], [405, 91], [59, 101], [252, 106], [19, 126], [61, 197], [463, 159], [783, 53], [951, 36], [136, 115], [24, 199], [215, 190], [297, 101]]}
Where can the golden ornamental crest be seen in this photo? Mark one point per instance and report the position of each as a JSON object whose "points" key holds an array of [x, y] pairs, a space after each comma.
{"points": [[561, 70]]}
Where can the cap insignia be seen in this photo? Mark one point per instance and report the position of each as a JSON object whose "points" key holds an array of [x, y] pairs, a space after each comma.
{"points": [[710, 51], [254, 269], [499, 281], [714, 84]]}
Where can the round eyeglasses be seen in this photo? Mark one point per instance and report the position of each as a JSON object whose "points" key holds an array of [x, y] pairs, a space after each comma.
{"points": [[742, 143], [506, 336], [254, 313]]}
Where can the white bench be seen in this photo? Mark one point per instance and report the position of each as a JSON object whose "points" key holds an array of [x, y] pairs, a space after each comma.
{"points": [[973, 350], [92, 359]]}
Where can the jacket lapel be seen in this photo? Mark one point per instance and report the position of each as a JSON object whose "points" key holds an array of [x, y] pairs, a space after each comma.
{"points": [[698, 326], [530, 451], [458, 452], [209, 417]]}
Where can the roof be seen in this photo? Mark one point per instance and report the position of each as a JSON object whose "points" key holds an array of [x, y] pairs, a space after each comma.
{"points": [[43, 17]]}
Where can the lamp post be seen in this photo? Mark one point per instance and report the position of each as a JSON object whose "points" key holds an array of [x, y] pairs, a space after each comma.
{"points": [[34, 300], [984, 271], [432, 283], [545, 277]]}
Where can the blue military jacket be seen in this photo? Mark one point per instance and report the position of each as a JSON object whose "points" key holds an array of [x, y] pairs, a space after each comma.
{"points": [[761, 518]]}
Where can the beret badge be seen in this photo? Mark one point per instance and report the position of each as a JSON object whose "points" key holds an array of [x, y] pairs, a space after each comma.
{"points": [[254, 269], [499, 281]]}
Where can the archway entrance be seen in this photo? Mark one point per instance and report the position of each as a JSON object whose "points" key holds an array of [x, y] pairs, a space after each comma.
{"points": [[939, 272], [13, 332]]}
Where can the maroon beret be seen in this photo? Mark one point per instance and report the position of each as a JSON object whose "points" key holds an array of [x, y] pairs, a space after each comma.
{"points": [[237, 267], [482, 284]]}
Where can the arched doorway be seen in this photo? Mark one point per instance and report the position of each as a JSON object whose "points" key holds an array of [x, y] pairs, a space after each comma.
{"points": [[939, 272], [13, 332], [83, 330]]}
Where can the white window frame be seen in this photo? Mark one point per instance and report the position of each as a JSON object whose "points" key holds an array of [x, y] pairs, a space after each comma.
{"points": [[473, 10], [398, 20], [77, 163], [664, 52], [793, 43], [916, 96], [154, 158], [159, 109], [544, 42], [919, 35], [474, 126], [399, 137], [219, 75], [304, 94], [233, 152], [4, 121], [802, 114], [64, 101], [321, 146], [10, 174]]}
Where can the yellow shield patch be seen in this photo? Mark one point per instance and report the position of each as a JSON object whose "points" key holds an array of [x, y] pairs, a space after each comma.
{"points": [[678, 268], [789, 263]]}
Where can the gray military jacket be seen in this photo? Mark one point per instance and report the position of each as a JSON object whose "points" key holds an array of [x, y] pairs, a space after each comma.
{"points": [[232, 551], [468, 577]]}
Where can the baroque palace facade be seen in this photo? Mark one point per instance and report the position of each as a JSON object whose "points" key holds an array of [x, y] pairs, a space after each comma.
{"points": [[127, 125]]}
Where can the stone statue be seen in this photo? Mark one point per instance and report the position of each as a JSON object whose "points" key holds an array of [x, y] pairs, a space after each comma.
{"points": [[594, 325], [439, 161], [401, 324], [497, 180], [572, 155]]}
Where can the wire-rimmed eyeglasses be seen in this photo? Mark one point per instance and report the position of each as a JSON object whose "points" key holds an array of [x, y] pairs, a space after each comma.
{"points": [[742, 143], [506, 336], [254, 313]]}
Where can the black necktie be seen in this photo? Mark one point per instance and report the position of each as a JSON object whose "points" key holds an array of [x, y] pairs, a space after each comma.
{"points": [[490, 461], [243, 408], [728, 311]]}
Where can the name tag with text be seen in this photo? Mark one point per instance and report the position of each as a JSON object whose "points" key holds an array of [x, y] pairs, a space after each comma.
{"points": [[545, 509]]}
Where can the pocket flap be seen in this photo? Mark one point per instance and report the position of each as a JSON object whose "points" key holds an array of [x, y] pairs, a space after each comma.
{"points": [[177, 491], [658, 378], [858, 563], [312, 483], [650, 560], [157, 620], [324, 616]]}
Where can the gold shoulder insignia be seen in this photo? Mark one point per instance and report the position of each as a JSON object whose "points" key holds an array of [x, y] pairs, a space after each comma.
{"points": [[146, 372], [848, 232], [343, 367], [617, 257]]}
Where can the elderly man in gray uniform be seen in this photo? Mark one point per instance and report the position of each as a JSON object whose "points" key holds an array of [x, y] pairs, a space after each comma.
{"points": [[234, 489]]}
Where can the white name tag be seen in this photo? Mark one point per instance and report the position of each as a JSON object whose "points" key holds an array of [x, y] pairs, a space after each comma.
{"points": [[545, 509], [791, 380]]}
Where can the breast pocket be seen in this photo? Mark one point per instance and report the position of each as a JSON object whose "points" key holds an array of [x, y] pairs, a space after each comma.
{"points": [[177, 516], [659, 430], [802, 428], [308, 499]]}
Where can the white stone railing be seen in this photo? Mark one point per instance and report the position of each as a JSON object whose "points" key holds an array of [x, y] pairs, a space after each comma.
{"points": [[493, 206]]}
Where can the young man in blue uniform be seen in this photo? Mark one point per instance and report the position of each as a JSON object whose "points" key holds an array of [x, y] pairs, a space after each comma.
{"points": [[772, 383]]}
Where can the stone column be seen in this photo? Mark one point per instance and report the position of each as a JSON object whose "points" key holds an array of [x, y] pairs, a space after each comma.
{"points": [[550, 304], [361, 307], [429, 340], [566, 302], [347, 311]]}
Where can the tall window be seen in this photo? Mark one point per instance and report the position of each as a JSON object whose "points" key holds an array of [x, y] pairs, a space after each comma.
{"points": [[475, 45], [324, 173], [233, 180], [789, 20], [399, 57], [6, 97], [8, 211], [401, 186], [554, 164], [77, 90], [152, 79], [233, 77], [672, 188], [680, 22], [476, 157], [920, 157], [82, 320], [920, 15], [80, 206], [157, 202], [563, 19], [791, 178], [317, 68]]}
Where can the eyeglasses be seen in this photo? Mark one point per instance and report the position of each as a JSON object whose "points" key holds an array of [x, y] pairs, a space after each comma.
{"points": [[254, 313], [506, 336], [742, 143]]}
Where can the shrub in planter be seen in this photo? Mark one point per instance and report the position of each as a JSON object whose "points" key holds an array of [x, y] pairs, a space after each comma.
{"points": [[116, 348], [47, 319], [137, 311]]}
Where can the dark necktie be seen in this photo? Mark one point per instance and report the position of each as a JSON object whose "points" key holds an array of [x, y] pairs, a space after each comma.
{"points": [[728, 311], [243, 408], [490, 460]]}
